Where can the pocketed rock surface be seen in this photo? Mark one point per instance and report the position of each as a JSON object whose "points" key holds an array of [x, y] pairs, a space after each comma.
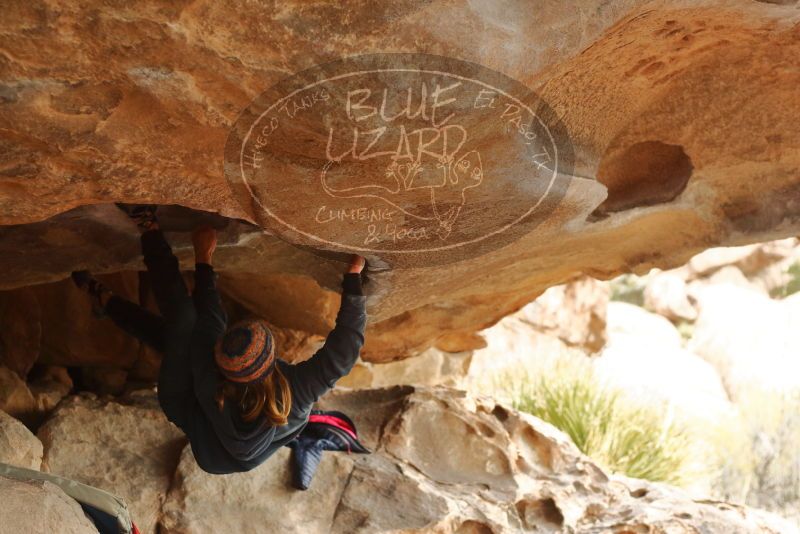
{"points": [[128, 449], [442, 462], [682, 117]]}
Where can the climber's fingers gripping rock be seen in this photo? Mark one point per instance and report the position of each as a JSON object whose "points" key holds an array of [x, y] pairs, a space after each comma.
{"points": [[357, 264], [204, 240]]}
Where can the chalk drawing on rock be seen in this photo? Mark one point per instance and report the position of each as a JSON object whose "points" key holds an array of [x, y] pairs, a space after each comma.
{"points": [[445, 179], [420, 159]]}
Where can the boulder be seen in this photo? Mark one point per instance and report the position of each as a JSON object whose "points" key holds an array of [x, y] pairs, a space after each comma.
{"points": [[460, 342], [749, 259], [779, 275], [446, 461], [295, 345], [666, 294], [441, 462], [130, 449], [40, 506], [55, 324], [21, 332], [749, 338], [51, 384], [666, 378], [32, 401], [15, 397], [104, 380], [431, 368], [73, 335], [709, 261], [574, 312], [18, 446], [668, 512], [730, 274], [636, 327], [138, 106], [770, 253], [260, 500], [514, 350]]}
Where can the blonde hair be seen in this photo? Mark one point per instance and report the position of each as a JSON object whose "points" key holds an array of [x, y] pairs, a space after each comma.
{"points": [[271, 396]]}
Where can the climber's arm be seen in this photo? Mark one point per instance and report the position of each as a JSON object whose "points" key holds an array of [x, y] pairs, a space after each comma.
{"points": [[207, 301], [211, 320], [316, 376], [206, 298]]}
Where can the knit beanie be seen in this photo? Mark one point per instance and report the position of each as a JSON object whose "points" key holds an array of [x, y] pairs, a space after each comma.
{"points": [[246, 353]]}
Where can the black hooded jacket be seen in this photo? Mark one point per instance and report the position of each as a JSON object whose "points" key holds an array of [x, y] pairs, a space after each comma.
{"points": [[221, 441]]}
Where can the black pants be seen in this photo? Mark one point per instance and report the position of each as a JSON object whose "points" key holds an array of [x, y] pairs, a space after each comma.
{"points": [[170, 332], [137, 321]]}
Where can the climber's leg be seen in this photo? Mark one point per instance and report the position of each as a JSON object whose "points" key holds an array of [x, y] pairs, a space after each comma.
{"points": [[143, 325], [94, 288], [130, 317], [175, 387], [167, 282], [169, 288]]}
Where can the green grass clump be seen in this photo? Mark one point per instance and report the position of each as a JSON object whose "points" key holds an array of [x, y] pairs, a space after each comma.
{"points": [[792, 286], [760, 464], [628, 288], [685, 329], [637, 441]]}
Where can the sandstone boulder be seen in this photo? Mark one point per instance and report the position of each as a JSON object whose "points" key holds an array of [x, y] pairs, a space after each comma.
{"points": [[750, 339], [645, 357], [770, 254], [431, 368], [54, 324], [16, 398], [295, 345], [574, 312], [39, 506], [778, 275], [749, 259], [104, 380], [73, 335], [130, 449], [730, 274], [631, 325], [666, 378], [21, 332], [460, 341], [51, 384], [425, 475], [442, 462], [514, 350], [260, 500], [666, 294], [709, 261], [140, 112], [668, 513], [18, 446]]}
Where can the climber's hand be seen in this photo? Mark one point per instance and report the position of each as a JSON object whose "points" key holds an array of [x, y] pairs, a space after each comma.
{"points": [[204, 240], [356, 264]]}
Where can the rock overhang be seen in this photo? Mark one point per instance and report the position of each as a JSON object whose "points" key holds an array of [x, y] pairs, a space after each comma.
{"points": [[681, 117]]}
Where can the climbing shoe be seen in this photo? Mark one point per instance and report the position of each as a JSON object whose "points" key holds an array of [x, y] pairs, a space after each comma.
{"points": [[99, 293], [144, 215]]}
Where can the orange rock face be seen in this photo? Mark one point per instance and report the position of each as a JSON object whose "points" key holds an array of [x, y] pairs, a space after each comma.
{"points": [[682, 119]]}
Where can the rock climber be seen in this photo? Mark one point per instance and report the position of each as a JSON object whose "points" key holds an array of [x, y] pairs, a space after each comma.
{"points": [[225, 386]]}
